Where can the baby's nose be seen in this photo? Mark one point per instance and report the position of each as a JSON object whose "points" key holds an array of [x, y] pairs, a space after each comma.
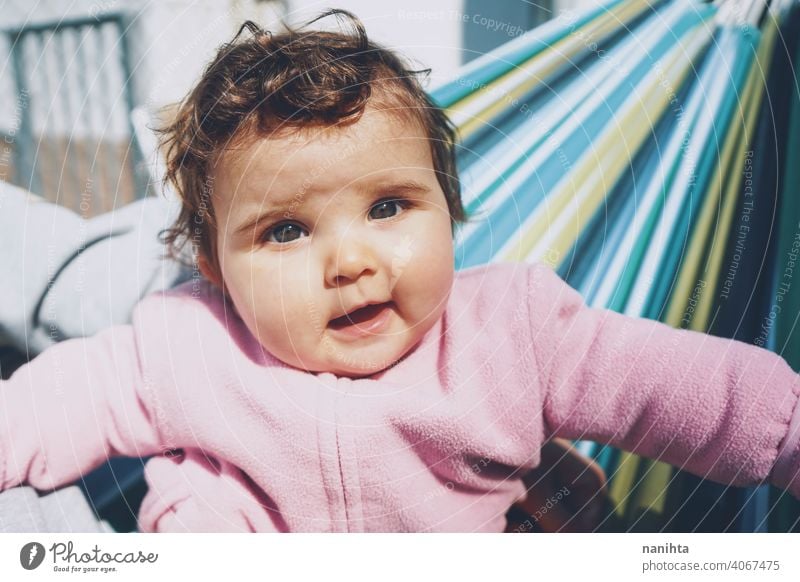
{"points": [[351, 260]]}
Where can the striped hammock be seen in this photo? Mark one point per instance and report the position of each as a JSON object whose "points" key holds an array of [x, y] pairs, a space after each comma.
{"points": [[650, 152]]}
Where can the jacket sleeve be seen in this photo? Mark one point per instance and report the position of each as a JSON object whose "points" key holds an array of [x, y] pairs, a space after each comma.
{"points": [[66, 277], [719, 408], [70, 409]]}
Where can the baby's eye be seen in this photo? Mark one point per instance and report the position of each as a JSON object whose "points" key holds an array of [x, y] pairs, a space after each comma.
{"points": [[386, 208], [283, 233]]}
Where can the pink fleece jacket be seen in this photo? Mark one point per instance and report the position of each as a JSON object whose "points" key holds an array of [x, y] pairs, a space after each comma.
{"points": [[438, 442]]}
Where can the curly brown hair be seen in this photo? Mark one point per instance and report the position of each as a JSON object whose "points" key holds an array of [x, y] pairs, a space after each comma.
{"points": [[264, 84]]}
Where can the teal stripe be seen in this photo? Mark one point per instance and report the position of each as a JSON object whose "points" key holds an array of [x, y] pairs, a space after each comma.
{"points": [[719, 53], [489, 67], [505, 221], [695, 194]]}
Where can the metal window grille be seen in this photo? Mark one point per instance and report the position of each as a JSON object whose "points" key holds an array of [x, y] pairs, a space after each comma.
{"points": [[72, 140]]}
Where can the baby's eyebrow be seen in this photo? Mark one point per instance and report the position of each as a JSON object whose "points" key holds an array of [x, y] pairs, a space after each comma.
{"points": [[259, 218], [406, 187]]}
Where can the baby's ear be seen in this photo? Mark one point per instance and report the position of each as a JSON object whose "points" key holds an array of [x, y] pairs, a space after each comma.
{"points": [[209, 272]]}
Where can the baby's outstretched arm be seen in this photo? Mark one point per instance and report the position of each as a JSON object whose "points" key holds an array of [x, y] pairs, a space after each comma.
{"points": [[716, 407], [71, 408]]}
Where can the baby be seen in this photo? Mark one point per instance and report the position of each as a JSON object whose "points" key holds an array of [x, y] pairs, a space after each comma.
{"points": [[331, 371]]}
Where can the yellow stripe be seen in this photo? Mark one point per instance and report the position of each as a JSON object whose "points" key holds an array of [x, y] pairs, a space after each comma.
{"points": [[652, 497], [530, 77], [696, 250], [621, 139], [621, 482], [713, 268]]}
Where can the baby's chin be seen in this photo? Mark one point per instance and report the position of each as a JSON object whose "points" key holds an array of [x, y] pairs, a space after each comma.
{"points": [[353, 362], [359, 367]]}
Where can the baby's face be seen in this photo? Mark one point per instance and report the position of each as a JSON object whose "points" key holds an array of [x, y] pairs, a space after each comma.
{"points": [[316, 225]]}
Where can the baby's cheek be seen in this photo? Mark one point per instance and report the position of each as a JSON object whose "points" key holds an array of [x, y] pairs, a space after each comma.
{"points": [[423, 289], [292, 314], [433, 268], [440, 281]]}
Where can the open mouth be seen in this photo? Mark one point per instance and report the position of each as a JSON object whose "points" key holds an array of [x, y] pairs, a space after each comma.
{"points": [[360, 317]]}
